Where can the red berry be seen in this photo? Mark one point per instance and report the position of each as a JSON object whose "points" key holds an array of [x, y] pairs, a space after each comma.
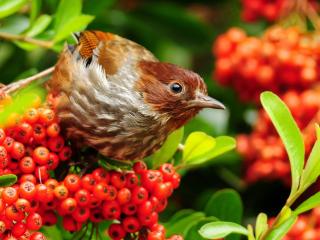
{"points": [[34, 221], [139, 167], [27, 165], [111, 210], [131, 224], [17, 150], [72, 182], [68, 205], [9, 195], [82, 197], [18, 229], [41, 155], [139, 195], [117, 179], [116, 231], [123, 196], [38, 236], [81, 214]]}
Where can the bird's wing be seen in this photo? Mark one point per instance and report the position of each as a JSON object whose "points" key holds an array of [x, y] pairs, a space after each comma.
{"points": [[110, 50]]}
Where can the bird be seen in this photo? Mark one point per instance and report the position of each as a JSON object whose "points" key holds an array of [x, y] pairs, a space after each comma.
{"points": [[115, 96]]}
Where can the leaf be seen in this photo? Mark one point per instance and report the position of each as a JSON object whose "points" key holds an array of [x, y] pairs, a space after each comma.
{"points": [[198, 148], [312, 169], [182, 225], [40, 24], [223, 145], [308, 204], [168, 149], [226, 205], [8, 180], [317, 130], [215, 230], [261, 224], [15, 24], [75, 24], [67, 10], [35, 9], [8, 7], [289, 133], [280, 231], [250, 232], [52, 231], [179, 215], [193, 232]]}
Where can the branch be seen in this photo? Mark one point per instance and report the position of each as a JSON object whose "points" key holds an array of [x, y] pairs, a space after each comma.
{"points": [[15, 37], [24, 82]]}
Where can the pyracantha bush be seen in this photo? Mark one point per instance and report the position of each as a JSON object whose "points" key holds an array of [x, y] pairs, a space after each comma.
{"points": [[281, 59]]}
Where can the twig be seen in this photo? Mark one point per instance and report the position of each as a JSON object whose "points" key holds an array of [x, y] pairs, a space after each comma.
{"points": [[24, 82], [15, 37]]}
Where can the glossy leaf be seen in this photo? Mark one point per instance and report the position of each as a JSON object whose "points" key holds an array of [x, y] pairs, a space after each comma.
{"points": [[198, 148], [8, 7], [250, 233], [168, 149], [280, 231], [289, 133], [261, 224], [193, 232], [8, 180], [223, 145], [216, 230], [182, 225], [35, 9], [227, 206], [67, 11], [40, 24], [75, 24], [311, 202], [312, 169]]}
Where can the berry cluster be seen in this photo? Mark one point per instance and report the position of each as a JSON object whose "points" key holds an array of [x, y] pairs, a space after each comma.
{"points": [[282, 59], [30, 148], [270, 10], [263, 152]]}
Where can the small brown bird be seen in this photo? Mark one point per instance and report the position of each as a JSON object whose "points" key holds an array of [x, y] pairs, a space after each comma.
{"points": [[116, 97]]}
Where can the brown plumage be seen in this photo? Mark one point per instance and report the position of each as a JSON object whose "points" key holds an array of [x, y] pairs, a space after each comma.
{"points": [[116, 97]]}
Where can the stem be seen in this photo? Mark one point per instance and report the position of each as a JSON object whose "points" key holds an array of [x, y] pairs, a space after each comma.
{"points": [[288, 204], [15, 37], [24, 82]]}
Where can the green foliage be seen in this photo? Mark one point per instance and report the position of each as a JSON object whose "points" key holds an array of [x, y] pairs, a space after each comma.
{"points": [[289, 133], [8, 7], [216, 230], [311, 202], [7, 180], [261, 225], [168, 149], [280, 231]]}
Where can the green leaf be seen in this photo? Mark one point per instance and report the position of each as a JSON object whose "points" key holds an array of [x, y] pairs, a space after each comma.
{"points": [[193, 232], [183, 224], [289, 133], [180, 215], [223, 145], [280, 231], [168, 149], [8, 180], [40, 24], [75, 24], [250, 232], [8, 7], [35, 9], [67, 10], [216, 230], [198, 148], [261, 224], [14, 24], [311, 202], [312, 169], [53, 232], [227, 206]]}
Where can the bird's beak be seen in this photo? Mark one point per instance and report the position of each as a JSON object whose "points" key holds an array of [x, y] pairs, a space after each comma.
{"points": [[204, 101]]}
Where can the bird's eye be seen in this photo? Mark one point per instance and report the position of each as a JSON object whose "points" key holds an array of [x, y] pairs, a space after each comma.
{"points": [[176, 88]]}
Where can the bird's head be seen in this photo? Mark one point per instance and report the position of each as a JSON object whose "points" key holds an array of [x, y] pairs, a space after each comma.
{"points": [[176, 93]]}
